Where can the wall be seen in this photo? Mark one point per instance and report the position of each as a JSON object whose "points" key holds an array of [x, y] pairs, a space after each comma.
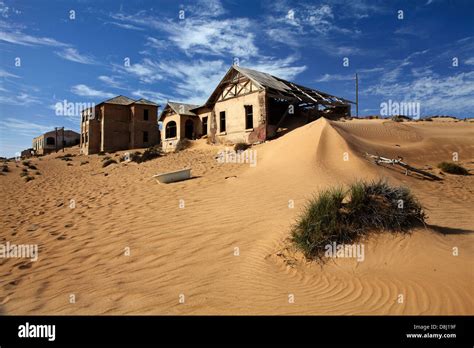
{"points": [[139, 125], [235, 118], [115, 128]]}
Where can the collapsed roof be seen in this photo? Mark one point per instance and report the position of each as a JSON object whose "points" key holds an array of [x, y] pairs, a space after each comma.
{"points": [[277, 88]]}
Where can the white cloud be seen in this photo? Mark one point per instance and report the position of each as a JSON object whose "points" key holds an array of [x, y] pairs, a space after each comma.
{"points": [[148, 71], [26, 128], [125, 26], [201, 34], [73, 55], [4, 73], [213, 37], [12, 34], [282, 68], [335, 77], [446, 95], [6, 11], [111, 81], [206, 8], [469, 61], [86, 91], [153, 96], [22, 98]]}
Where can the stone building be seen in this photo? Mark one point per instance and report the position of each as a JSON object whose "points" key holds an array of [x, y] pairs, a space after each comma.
{"points": [[54, 140], [248, 106], [119, 123]]}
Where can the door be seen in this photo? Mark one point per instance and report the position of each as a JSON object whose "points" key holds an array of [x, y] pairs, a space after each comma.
{"points": [[189, 129]]}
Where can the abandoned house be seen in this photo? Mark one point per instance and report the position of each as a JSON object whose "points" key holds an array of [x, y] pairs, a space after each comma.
{"points": [[54, 141], [119, 123], [248, 106]]}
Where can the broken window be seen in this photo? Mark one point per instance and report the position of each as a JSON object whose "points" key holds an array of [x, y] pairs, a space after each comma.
{"points": [[145, 115], [204, 126], [222, 121], [145, 137], [248, 116], [170, 130]]}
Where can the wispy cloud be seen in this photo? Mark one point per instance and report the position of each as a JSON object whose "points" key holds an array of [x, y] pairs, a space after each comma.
{"points": [[13, 34], [284, 67], [4, 73], [111, 81], [153, 96], [86, 91], [201, 35], [73, 55], [469, 61], [20, 98], [335, 77], [7, 11], [26, 128]]}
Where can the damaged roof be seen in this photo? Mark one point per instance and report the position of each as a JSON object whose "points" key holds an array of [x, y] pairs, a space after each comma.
{"points": [[180, 108], [279, 88]]}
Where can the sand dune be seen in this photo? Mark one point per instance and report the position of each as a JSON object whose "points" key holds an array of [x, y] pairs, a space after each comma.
{"points": [[190, 251]]}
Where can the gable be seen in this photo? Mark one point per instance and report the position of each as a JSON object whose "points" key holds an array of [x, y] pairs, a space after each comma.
{"points": [[234, 84]]}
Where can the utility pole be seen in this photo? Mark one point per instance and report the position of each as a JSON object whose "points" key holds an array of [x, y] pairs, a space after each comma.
{"points": [[56, 138], [63, 139], [357, 95]]}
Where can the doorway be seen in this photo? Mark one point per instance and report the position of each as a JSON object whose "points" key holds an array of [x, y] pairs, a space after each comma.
{"points": [[189, 129]]}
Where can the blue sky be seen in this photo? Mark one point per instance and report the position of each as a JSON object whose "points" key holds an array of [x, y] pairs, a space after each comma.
{"points": [[180, 50]]}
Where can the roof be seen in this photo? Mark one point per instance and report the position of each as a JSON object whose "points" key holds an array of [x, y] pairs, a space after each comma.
{"points": [[280, 88], [180, 108], [60, 132], [123, 100], [145, 102], [120, 100]]}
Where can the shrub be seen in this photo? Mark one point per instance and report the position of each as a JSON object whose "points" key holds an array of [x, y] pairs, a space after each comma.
{"points": [[29, 178], [33, 167], [182, 144], [452, 168], [84, 162], [5, 168], [24, 169], [26, 163], [150, 153], [241, 147], [37, 173], [106, 158], [344, 216], [147, 155], [400, 118], [23, 174], [108, 162]]}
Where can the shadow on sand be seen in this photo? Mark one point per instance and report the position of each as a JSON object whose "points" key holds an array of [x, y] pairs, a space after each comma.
{"points": [[449, 230]]}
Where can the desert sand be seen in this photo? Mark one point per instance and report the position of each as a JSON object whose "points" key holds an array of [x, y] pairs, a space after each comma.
{"points": [[189, 253]]}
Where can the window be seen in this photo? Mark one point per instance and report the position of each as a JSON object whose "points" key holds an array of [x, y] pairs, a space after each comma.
{"points": [[248, 116], [222, 121], [204, 125], [145, 115], [50, 141], [145, 137], [170, 130]]}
